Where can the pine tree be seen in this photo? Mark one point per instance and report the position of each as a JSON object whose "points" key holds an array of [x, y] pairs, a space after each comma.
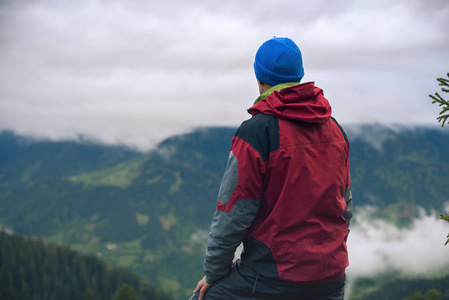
{"points": [[89, 295], [444, 114], [125, 292], [416, 296], [30, 269], [432, 294]]}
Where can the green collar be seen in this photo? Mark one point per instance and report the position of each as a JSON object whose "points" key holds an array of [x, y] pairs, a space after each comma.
{"points": [[275, 88]]}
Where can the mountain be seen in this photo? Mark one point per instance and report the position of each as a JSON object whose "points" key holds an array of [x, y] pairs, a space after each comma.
{"points": [[150, 212], [399, 164], [31, 269]]}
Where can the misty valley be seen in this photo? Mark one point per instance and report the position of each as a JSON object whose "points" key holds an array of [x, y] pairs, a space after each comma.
{"points": [[142, 218]]}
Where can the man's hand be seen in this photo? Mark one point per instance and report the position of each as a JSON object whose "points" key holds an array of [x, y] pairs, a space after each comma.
{"points": [[202, 287]]}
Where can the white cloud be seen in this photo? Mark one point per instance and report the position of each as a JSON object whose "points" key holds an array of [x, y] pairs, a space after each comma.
{"points": [[376, 246]]}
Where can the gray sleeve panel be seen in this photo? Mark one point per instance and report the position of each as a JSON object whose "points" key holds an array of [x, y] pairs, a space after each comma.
{"points": [[347, 214], [230, 179], [227, 231]]}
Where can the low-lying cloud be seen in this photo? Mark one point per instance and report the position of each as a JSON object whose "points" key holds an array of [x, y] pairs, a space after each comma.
{"points": [[376, 246]]}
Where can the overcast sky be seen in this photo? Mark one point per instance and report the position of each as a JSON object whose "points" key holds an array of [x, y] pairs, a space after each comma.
{"points": [[138, 71]]}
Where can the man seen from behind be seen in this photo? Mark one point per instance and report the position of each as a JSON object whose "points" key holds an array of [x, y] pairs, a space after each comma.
{"points": [[285, 193]]}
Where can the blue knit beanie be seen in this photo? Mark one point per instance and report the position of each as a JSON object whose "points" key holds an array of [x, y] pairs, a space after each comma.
{"points": [[278, 60]]}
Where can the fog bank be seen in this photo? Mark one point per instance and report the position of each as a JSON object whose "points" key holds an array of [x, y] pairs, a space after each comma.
{"points": [[376, 246]]}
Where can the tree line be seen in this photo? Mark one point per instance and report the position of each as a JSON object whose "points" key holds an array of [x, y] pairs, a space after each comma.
{"points": [[31, 269], [444, 115]]}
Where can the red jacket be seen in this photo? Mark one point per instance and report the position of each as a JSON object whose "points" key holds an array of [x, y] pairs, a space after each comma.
{"points": [[286, 192]]}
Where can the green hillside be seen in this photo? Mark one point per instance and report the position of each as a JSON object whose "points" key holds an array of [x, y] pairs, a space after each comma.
{"points": [[31, 269], [150, 212]]}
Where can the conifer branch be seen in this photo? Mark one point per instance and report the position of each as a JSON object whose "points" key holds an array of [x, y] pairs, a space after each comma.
{"points": [[444, 114], [443, 217]]}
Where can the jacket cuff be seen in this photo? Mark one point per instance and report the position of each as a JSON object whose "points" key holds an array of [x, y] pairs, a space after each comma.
{"points": [[211, 278]]}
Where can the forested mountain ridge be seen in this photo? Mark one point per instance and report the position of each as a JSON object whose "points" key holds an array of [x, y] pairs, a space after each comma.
{"points": [[400, 164], [150, 212], [30, 269], [25, 160]]}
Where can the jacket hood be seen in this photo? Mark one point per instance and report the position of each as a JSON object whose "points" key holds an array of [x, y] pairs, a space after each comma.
{"points": [[302, 102]]}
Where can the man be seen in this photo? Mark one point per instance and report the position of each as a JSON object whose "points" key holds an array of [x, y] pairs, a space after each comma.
{"points": [[285, 193]]}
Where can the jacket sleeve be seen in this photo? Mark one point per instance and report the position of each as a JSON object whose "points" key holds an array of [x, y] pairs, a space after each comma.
{"points": [[239, 199], [348, 193], [347, 214]]}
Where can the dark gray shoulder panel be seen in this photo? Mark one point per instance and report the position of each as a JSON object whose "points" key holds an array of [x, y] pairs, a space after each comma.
{"points": [[262, 133]]}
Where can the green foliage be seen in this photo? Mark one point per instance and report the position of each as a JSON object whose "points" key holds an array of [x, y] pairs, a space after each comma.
{"points": [[430, 295], [433, 294], [417, 296], [125, 292], [444, 217], [31, 269], [444, 114], [89, 295]]}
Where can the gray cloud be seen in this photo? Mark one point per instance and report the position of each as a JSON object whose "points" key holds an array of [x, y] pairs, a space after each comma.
{"points": [[142, 70], [377, 247]]}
